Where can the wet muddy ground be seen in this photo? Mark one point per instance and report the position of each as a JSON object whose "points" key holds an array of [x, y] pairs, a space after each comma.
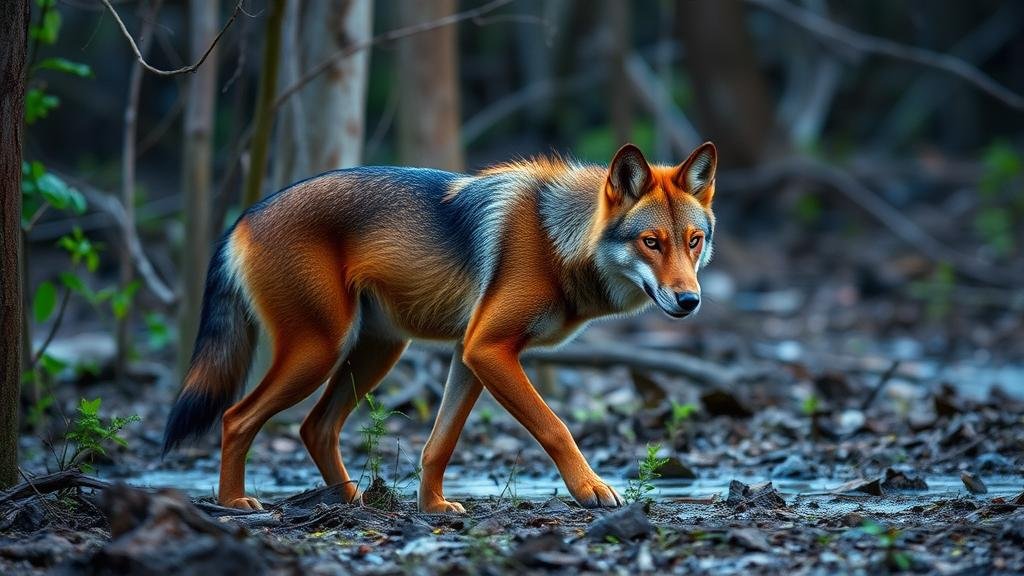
{"points": [[890, 426], [855, 486]]}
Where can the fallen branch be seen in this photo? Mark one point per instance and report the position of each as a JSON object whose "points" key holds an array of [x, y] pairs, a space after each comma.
{"points": [[183, 70], [826, 29], [53, 482], [674, 363]]}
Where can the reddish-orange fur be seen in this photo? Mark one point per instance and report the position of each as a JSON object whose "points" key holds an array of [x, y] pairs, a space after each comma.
{"points": [[304, 283]]}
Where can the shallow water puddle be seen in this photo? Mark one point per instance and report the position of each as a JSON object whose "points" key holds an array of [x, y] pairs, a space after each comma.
{"points": [[263, 483]]}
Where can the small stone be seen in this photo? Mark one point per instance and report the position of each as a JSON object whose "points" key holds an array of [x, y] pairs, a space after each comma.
{"points": [[764, 495], [555, 504], [794, 466], [750, 538], [903, 480], [973, 483], [867, 486], [625, 524]]}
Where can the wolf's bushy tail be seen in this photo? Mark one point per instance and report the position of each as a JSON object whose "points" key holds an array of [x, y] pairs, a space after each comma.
{"points": [[221, 357]]}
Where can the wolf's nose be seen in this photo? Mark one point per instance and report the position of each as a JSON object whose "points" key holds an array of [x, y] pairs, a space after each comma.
{"points": [[688, 301]]}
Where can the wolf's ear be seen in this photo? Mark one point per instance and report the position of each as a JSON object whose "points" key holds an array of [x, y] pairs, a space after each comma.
{"points": [[697, 174], [629, 175]]}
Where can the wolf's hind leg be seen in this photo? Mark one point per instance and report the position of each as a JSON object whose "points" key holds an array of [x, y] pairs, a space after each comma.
{"points": [[365, 366], [298, 368], [460, 394]]}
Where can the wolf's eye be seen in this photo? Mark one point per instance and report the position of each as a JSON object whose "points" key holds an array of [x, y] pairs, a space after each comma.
{"points": [[694, 242], [651, 242]]}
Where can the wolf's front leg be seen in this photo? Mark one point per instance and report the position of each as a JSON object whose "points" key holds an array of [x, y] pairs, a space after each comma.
{"points": [[496, 364], [460, 394]]}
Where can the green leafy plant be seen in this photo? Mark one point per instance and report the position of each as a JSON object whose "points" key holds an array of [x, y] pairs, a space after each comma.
{"points": [[680, 417], [889, 539], [639, 488], [937, 292], [372, 433], [810, 405], [1001, 207], [89, 435]]}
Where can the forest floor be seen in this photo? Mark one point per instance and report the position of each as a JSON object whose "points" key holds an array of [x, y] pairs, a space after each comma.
{"points": [[876, 401]]}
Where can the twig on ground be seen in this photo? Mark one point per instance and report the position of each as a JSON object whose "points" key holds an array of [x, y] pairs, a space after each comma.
{"points": [[825, 29], [881, 384], [597, 355], [47, 483], [183, 70]]}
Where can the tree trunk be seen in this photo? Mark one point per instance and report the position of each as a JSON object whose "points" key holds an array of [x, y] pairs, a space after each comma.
{"points": [[253, 189], [620, 99], [327, 121], [428, 80], [733, 106], [335, 103], [131, 120], [197, 173], [14, 18]]}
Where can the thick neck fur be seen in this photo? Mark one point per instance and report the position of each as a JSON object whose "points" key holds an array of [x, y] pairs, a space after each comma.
{"points": [[568, 201]]}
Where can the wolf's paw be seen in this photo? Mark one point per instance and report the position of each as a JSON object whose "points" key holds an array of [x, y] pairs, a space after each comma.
{"points": [[245, 503], [442, 506], [596, 493]]}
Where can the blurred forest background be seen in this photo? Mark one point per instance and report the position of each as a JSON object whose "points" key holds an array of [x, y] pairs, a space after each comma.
{"points": [[870, 194]]}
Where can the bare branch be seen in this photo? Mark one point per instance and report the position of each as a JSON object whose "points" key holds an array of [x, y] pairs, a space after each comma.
{"points": [[825, 29], [311, 74], [109, 204], [177, 71], [654, 96], [390, 36], [485, 119], [888, 215]]}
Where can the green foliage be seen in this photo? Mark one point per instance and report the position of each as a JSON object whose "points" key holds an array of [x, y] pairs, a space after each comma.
{"points": [[158, 332], [38, 105], [1001, 191], [90, 435], [810, 405], [81, 249], [639, 488], [599, 144], [680, 417], [373, 432], [41, 190], [808, 209], [44, 302], [889, 539], [65, 66], [47, 29], [936, 292]]}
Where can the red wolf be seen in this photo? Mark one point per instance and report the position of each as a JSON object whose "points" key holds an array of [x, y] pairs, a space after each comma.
{"points": [[342, 270]]}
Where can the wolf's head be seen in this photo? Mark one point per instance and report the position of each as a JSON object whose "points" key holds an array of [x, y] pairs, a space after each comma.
{"points": [[655, 227]]}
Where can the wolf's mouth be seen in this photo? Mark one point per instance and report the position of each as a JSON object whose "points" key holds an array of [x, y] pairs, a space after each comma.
{"points": [[650, 292]]}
